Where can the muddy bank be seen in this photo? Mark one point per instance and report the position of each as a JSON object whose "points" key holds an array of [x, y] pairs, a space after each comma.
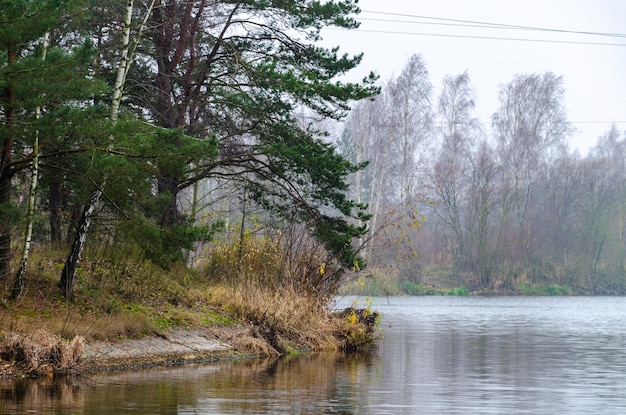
{"points": [[173, 347], [44, 354], [39, 355]]}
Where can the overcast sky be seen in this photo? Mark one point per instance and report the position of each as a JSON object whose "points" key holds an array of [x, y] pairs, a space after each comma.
{"points": [[444, 32]]}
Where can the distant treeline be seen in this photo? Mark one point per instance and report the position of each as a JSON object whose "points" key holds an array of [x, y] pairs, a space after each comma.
{"points": [[502, 209]]}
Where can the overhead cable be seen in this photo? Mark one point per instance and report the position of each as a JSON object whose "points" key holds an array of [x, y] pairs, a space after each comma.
{"points": [[479, 24]]}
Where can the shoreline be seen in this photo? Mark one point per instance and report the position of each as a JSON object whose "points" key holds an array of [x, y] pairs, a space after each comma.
{"points": [[174, 347], [43, 354]]}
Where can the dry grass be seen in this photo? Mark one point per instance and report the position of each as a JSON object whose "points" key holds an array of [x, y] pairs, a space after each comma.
{"points": [[276, 261], [121, 294], [287, 320], [41, 352], [283, 292]]}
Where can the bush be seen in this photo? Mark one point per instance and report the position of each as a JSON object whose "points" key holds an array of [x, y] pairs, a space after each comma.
{"points": [[536, 289], [276, 261], [412, 288], [42, 353], [458, 291], [556, 289]]}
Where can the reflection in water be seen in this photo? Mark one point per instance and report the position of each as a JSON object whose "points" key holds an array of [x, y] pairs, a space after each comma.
{"points": [[304, 384], [44, 396], [439, 355]]}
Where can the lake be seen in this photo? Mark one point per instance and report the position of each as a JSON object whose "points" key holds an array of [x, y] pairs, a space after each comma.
{"points": [[439, 355]]}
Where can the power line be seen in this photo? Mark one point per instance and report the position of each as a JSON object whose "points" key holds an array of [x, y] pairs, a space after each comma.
{"points": [[560, 122], [487, 37], [440, 21], [596, 122], [479, 24], [486, 26]]}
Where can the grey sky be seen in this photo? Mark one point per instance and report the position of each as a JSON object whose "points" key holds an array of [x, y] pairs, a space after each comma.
{"points": [[592, 67]]}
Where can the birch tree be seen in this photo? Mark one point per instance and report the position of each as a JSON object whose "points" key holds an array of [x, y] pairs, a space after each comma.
{"points": [[18, 285], [68, 274], [410, 117], [371, 141], [600, 214], [530, 127], [458, 131]]}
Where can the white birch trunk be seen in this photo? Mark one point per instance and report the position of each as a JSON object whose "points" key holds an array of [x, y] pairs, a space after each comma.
{"points": [[122, 69], [68, 275], [18, 286]]}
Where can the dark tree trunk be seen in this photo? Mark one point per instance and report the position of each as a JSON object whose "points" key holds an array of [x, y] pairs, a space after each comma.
{"points": [[55, 205], [6, 175], [76, 212], [172, 40], [170, 215], [68, 275], [5, 226]]}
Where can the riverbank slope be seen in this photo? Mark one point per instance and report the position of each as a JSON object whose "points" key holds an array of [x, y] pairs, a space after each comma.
{"points": [[126, 311]]}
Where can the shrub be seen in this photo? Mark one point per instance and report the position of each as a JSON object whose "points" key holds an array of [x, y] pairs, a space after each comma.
{"points": [[458, 291], [413, 288], [556, 289], [42, 353], [275, 261]]}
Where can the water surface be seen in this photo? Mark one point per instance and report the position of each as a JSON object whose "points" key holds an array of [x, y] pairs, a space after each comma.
{"points": [[452, 355]]}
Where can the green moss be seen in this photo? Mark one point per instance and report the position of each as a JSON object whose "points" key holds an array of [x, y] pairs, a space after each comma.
{"points": [[211, 318]]}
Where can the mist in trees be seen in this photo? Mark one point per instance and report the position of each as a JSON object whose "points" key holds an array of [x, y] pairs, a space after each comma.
{"points": [[174, 123], [161, 124], [500, 207]]}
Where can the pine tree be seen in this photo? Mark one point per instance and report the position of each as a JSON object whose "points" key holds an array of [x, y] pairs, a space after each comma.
{"points": [[237, 72], [31, 86], [68, 274], [22, 24]]}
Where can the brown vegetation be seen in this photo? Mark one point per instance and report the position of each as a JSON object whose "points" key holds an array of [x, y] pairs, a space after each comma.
{"points": [[121, 295], [41, 353]]}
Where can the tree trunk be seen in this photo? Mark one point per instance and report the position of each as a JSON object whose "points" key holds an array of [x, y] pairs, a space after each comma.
{"points": [[55, 201], [68, 275], [5, 226], [18, 285], [6, 174], [170, 215]]}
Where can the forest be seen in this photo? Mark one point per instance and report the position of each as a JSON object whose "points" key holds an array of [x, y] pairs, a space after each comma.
{"points": [[215, 140], [161, 168], [162, 125], [498, 207]]}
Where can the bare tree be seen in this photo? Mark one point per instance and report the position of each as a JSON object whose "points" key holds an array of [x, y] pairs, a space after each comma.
{"points": [[451, 174], [530, 127], [561, 190], [411, 122], [487, 211], [369, 140], [600, 231]]}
